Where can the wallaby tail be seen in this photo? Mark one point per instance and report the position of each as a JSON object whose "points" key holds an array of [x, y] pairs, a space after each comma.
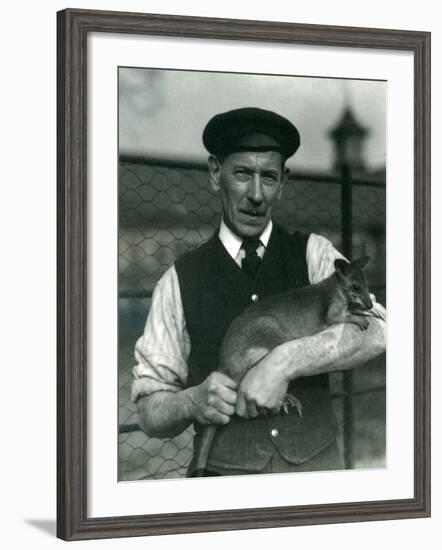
{"points": [[204, 450]]}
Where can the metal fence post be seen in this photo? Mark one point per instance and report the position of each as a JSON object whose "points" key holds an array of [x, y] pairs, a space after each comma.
{"points": [[347, 249]]}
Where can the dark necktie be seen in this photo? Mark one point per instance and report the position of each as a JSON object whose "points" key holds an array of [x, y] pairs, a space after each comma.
{"points": [[251, 262]]}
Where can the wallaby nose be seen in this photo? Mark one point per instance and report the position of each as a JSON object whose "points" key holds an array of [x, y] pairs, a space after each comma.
{"points": [[368, 303]]}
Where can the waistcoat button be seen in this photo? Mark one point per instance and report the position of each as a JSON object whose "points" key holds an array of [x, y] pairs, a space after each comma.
{"points": [[274, 432], [255, 297]]}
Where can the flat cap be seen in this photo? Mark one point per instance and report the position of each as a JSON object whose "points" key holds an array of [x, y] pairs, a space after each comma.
{"points": [[250, 129]]}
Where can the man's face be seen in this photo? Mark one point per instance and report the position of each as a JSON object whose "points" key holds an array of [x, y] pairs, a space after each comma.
{"points": [[249, 184]]}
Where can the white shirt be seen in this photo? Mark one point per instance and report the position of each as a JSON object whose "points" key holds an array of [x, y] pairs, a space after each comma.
{"points": [[232, 243], [163, 349]]}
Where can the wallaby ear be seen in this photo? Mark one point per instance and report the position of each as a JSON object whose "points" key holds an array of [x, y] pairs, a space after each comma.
{"points": [[362, 262], [341, 266]]}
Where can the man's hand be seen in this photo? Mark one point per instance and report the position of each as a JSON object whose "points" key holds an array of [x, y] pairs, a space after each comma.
{"points": [[213, 401], [262, 389]]}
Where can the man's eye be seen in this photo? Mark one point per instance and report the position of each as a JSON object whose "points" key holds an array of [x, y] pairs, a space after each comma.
{"points": [[241, 174]]}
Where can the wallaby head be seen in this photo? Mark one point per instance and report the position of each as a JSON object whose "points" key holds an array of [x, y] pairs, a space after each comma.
{"points": [[353, 283]]}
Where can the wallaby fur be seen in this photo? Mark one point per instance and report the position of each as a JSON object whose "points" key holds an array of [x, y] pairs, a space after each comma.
{"points": [[341, 298]]}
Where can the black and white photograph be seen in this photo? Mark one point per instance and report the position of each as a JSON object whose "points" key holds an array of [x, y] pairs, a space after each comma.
{"points": [[239, 205], [252, 325], [220, 237]]}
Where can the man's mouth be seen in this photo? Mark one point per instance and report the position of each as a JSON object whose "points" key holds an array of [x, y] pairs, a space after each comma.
{"points": [[253, 213]]}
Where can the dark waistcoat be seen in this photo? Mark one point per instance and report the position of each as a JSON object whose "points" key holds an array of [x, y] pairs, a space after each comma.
{"points": [[214, 290]]}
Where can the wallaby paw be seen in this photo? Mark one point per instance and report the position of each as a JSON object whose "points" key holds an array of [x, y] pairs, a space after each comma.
{"points": [[363, 323], [291, 401]]}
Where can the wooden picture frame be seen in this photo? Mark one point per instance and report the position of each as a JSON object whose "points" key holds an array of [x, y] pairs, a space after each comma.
{"points": [[74, 25]]}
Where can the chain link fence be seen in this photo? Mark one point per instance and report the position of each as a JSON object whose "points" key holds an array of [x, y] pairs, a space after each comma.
{"points": [[165, 209]]}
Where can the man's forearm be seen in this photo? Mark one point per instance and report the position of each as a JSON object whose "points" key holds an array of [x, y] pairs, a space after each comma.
{"points": [[164, 413], [167, 414], [338, 347]]}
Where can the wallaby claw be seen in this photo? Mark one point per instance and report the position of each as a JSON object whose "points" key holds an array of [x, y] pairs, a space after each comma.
{"points": [[360, 320], [363, 324], [291, 401]]}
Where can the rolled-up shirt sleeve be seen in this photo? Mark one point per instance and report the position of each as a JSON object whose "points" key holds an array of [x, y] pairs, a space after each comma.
{"points": [[321, 256], [163, 349]]}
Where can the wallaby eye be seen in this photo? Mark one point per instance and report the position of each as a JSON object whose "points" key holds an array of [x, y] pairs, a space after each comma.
{"points": [[356, 287]]}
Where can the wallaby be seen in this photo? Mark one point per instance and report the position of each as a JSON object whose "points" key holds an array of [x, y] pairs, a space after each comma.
{"points": [[341, 298]]}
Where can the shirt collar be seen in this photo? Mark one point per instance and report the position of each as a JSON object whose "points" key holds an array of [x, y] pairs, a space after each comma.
{"points": [[232, 243]]}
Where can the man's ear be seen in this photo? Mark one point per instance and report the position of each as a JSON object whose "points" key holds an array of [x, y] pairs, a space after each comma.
{"points": [[284, 179], [214, 167]]}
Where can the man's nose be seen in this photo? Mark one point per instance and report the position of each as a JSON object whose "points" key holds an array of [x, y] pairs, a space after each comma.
{"points": [[254, 190]]}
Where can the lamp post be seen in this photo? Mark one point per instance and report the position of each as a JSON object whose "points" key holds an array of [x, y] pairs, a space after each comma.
{"points": [[348, 136]]}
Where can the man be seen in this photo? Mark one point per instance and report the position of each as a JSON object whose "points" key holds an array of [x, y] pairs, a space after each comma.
{"points": [[176, 382]]}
